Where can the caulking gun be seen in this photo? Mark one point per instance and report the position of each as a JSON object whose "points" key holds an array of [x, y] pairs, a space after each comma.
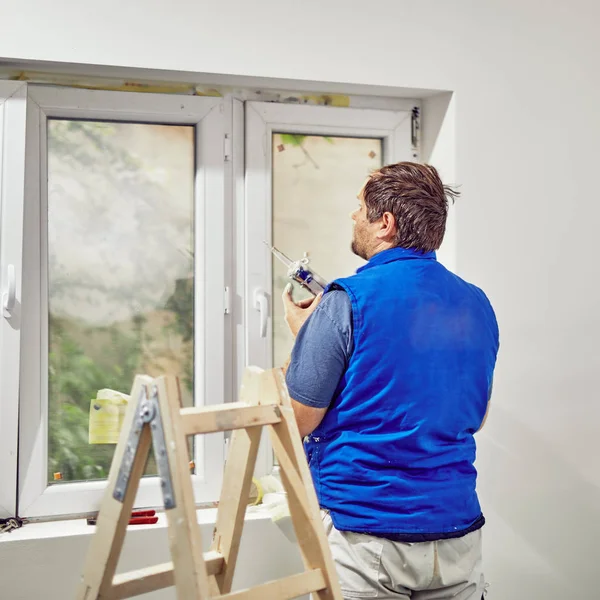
{"points": [[299, 271]]}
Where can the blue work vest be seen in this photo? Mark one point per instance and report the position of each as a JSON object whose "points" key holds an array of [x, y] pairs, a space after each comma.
{"points": [[394, 453]]}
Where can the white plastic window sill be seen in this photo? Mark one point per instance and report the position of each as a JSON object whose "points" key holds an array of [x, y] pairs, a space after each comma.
{"points": [[76, 527]]}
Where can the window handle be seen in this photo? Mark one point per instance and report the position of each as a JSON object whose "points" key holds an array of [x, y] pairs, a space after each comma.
{"points": [[9, 296], [261, 304]]}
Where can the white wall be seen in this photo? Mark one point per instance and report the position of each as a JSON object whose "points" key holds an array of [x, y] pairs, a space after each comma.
{"points": [[527, 122], [50, 567]]}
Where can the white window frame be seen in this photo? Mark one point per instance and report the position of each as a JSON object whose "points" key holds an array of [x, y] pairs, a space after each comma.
{"points": [[263, 119], [37, 499], [13, 99]]}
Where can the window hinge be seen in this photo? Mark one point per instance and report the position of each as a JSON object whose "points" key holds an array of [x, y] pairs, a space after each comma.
{"points": [[415, 131], [227, 301], [227, 148]]}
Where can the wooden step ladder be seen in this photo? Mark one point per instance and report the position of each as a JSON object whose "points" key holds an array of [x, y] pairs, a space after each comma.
{"points": [[155, 418]]}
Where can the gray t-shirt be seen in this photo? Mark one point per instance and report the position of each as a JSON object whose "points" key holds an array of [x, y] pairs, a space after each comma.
{"points": [[322, 351]]}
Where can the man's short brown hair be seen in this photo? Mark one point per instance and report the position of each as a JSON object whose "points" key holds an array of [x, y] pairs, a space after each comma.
{"points": [[416, 196]]}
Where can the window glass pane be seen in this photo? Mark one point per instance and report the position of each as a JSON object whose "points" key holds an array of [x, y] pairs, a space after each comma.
{"points": [[316, 180], [120, 275]]}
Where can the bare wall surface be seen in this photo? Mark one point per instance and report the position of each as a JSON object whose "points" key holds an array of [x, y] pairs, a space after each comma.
{"points": [[50, 568], [525, 108]]}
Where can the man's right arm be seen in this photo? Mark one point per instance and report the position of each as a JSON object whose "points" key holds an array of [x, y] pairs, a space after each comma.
{"points": [[487, 411], [487, 408]]}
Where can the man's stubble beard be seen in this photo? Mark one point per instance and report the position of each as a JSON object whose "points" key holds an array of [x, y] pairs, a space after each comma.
{"points": [[356, 249]]}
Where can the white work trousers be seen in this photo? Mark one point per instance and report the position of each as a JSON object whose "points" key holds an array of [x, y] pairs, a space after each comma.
{"points": [[374, 567]]}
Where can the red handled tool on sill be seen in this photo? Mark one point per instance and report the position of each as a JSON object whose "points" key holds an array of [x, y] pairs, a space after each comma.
{"points": [[138, 517]]}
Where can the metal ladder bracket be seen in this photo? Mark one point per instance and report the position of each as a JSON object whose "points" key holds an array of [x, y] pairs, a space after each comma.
{"points": [[147, 414]]}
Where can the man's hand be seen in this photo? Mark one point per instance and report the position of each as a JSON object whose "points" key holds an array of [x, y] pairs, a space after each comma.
{"points": [[296, 313]]}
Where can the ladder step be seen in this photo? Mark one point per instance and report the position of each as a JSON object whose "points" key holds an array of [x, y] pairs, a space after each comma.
{"points": [[237, 415], [282, 589], [156, 577]]}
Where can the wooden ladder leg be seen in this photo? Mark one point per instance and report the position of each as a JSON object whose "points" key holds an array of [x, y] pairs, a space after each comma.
{"points": [[237, 481], [191, 578], [113, 517], [304, 507]]}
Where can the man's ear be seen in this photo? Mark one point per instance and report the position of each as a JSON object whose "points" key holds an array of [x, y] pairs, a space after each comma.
{"points": [[387, 229]]}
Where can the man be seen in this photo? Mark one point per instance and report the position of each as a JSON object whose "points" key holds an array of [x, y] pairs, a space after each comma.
{"points": [[391, 376]]}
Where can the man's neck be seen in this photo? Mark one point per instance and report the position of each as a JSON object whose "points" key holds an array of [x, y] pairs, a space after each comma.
{"points": [[379, 248]]}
